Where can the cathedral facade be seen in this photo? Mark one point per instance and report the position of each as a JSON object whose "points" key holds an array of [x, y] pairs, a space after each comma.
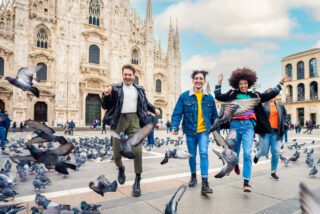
{"points": [[82, 45]]}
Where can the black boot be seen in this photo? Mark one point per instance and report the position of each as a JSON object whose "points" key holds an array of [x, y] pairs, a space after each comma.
{"points": [[205, 189], [136, 191], [121, 175], [193, 180]]}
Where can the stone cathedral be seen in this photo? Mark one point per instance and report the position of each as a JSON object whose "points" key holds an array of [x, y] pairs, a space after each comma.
{"points": [[82, 45]]}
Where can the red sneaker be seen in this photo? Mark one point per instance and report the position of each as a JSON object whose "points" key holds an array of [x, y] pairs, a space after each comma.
{"points": [[237, 169]]}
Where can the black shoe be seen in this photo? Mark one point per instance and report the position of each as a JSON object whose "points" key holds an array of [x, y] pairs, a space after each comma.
{"points": [[246, 188], [255, 159], [121, 175], [193, 180], [205, 189], [274, 176], [136, 191]]}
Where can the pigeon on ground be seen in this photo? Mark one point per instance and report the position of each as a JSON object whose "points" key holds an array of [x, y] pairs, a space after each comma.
{"points": [[103, 185], [135, 140], [11, 209], [313, 171], [309, 160], [50, 158], [38, 184], [285, 160], [91, 208], [24, 79], [294, 157], [175, 153], [171, 207], [309, 203], [8, 192]]}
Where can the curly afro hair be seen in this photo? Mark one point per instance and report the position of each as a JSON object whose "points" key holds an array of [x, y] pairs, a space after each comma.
{"points": [[242, 74]]}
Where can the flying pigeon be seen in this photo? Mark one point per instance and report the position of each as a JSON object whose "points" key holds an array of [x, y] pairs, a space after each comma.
{"points": [[24, 79]]}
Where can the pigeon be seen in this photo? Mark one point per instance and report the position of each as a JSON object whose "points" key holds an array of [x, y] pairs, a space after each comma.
{"points": [[309, 203], [43, 133], [7, 166], [318, 162], [8, 192], [285, 160], [234, 108], [311, 151], [294, 157], [41, 200], [38, 184], [103, 185], [309, 160], [313, 171], [11, 209], [171, 207], [229, 160], [135, 140], [24, 79], [175, 153], [91, 208], [51, 157]]}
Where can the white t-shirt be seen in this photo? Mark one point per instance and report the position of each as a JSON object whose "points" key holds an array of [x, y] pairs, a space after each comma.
{"points": [[130, 99]]}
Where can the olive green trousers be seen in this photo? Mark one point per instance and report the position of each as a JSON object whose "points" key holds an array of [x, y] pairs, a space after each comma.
{"points": [[128, 124]]}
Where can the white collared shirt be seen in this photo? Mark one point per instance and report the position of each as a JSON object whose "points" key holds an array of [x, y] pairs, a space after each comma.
{"points": [[130, 99]]}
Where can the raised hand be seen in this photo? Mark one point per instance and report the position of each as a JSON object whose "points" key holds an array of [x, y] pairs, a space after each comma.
{"points": [[220, 79], [108, 90]]}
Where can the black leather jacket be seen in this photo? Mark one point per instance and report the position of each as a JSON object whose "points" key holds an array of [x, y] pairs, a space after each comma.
{"points": [[113, 104]]}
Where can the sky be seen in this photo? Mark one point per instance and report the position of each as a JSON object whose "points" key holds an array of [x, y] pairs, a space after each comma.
{"points": [[222, 35]]}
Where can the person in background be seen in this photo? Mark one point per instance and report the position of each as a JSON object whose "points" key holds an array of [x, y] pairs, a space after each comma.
{"points": [[168, 125], [14, 127], [72, 126], [104, 127], [270, 138]]}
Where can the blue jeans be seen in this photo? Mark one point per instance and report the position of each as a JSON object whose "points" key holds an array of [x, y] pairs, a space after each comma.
{"points": [[151, 138], [270, 141], [2, 135], [201, 139], [285, 136], [245, 135]]}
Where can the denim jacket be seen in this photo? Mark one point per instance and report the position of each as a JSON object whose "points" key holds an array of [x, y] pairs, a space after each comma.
{"points": [[187, 108]]}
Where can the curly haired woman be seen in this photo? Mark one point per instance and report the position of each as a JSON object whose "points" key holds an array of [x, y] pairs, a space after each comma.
{"points": [[241, 80]]}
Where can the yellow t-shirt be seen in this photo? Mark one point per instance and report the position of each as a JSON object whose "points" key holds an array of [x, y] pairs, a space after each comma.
{"points": [[201, 126]]}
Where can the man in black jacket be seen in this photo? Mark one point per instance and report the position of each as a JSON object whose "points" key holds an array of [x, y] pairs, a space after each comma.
{"points": [[127, 107]]}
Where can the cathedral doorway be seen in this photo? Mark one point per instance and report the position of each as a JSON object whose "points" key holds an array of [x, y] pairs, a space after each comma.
{"points": [[41, 112], [2, 105], [93, 108]]}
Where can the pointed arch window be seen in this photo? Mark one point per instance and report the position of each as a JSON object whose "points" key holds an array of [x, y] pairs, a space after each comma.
{"points": [[42, 38], [300, 70], [1, 66], [94, 54], [158, 86], [135, 57], [313, 68], [42, 73], [94, 12]]}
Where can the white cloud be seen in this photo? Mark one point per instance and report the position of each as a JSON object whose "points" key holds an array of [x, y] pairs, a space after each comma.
{"points": [[318, 44], [228, 60], [230, 20]]}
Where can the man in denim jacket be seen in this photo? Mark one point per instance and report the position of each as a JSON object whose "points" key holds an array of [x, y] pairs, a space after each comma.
{"points": [[198, 110]]}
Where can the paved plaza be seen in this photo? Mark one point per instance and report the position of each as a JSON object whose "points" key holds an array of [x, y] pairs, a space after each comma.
{"points": [[159, 182]]}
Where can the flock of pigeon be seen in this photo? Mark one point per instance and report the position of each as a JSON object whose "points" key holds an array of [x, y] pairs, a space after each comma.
{"points": [[46, 157]]}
